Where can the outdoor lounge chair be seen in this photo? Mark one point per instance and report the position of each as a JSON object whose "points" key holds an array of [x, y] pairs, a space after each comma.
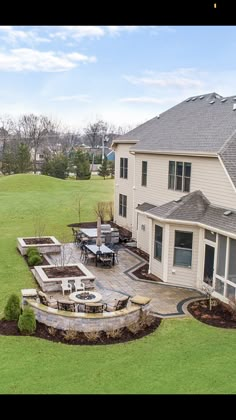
{"points": [[118, 304], [79, 285], [66, 286]]}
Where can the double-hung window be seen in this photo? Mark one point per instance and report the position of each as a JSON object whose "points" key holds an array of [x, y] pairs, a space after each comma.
{"points": [[144, 174], [179, 176], [123, 205], [183, 249], [158, 242], [124, 168]]}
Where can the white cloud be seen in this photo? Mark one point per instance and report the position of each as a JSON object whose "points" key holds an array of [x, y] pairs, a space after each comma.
{"points": [[145, 100], [12, 35], [33, 60], [116, 30], [78, 32], [79, 98], [180, 78]]}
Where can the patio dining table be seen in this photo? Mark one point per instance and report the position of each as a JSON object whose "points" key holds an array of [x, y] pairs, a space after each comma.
{"points": [[103, 249]]}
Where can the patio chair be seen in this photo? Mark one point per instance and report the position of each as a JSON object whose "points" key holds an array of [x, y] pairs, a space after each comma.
{"points": [[45, 300], [94, 308], [66, 286], [79, 285], [89, 256], [66, 305], [118, 304], [106, 259]]}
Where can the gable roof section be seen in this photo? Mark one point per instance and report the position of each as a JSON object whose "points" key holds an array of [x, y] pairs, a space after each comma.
{"points": [[195, 207]]}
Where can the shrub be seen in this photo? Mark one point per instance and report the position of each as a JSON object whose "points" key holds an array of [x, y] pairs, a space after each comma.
{"points": [[31, 251], [27, 322], [70, 335], [92, 335], [34, 260], [12, 309], [114, 333]]}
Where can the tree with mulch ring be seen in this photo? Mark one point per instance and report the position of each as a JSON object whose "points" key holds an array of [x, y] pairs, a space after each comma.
{"points": [[220, 314]]}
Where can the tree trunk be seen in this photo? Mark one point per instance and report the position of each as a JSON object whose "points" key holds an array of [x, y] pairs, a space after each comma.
{"points": [[35, 154]]}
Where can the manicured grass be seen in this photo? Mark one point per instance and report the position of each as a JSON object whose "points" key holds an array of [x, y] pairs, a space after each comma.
{"points": [[182, 356]]}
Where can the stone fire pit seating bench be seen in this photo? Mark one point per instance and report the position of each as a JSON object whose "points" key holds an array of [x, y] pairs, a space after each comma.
{"points": [[118, 304], [140, 300]]}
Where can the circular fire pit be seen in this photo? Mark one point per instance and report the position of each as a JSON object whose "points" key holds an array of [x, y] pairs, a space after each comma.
{"points": [[83, 297]]}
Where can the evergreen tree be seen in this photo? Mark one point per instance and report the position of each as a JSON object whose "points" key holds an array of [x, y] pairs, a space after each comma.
{"points": [[104, 168], [56, 167], [23, 159], [111, 166], [81, 165]]}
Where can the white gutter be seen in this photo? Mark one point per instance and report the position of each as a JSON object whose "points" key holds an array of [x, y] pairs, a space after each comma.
{"points": [[174, 152], [188, 223]]}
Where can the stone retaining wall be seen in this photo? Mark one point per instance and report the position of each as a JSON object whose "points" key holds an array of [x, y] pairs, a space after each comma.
{"points": [[78, 321]]}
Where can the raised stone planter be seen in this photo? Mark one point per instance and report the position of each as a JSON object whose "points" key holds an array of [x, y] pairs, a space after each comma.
{"points": [[53, 284], [55, 246], [78, 321]]}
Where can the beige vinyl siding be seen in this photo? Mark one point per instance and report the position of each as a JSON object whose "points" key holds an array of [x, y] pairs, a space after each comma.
{"points": [[124, 186], [207, 175], [156, 265], [142, 235], [183, 276]]}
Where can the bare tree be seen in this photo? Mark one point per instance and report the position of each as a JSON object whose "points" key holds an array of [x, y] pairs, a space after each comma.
{"points": [[100, 210], [39, 223], [95, 132], [110, 210], [35, 129]]}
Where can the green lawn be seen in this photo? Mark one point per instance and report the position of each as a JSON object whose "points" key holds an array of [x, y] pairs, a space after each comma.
{"points": [[182, 356]]}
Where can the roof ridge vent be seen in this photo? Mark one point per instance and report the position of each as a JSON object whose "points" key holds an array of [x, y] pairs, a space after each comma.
{"points": [[223, 100], [212, 102], [187, 100], [234, 107], [201, 97], [193, 99], [227, 213]]}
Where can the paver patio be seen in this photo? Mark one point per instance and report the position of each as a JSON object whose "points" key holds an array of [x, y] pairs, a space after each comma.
{"points": [[167, 300]]}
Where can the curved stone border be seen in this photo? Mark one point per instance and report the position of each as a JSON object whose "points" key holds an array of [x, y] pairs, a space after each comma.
{"points": [[79, 321]]}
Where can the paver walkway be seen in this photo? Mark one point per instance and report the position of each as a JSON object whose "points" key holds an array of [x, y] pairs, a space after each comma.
{"points": [[167, 300]]}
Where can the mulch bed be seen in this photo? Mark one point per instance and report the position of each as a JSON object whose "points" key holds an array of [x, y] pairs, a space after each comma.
{"points": [[138, 251], [142, 273], [10, 328], [38, 241], [220, 315], [63, 272]]}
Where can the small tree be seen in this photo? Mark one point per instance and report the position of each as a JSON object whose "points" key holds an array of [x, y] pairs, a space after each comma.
{"points": [[111, 167], [78, 202], [81, 165], [39, 223], [104, 169], [27, 322], [12, 309], [23, 159], [208, 290], [110, 210], [101, 210]]}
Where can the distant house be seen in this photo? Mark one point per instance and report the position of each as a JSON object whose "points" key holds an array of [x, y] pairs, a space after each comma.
{"points": [[111, 156], [175, 189]]}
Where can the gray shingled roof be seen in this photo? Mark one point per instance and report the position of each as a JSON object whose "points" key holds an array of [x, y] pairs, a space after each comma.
{"points": [[195, 207], [145, 206], [192, 126]]}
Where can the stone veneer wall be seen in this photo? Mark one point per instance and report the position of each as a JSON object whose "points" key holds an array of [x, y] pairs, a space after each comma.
{"points": [[77, 321], [43, 249]]}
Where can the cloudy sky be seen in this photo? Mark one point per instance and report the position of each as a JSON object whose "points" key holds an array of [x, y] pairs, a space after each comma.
{"points": [[123, 74]]}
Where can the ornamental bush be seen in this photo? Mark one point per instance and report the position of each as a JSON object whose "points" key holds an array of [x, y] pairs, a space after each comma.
{"points": [[27, 322], [31, 251], [12, 309], [34, 259]]}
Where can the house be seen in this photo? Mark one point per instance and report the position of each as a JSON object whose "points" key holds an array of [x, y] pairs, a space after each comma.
{"points": [[175, 189]]}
